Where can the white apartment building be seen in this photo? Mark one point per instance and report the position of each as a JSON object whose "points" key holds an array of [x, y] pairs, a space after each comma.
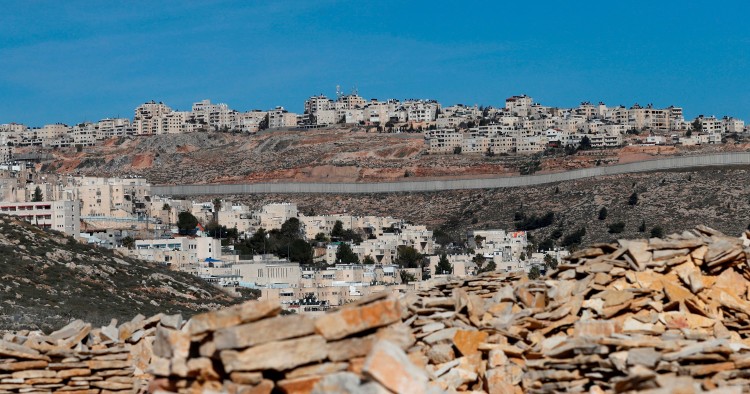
{"points": [[108, 197], [180, 251], [63, 216], [518, 105], [507, 245], [280, 118], [733, 125], [84, 134], [444, 141], [272, 216], [238, 216], [250, 121], [214, 116], [117, 127], [149, 118], [349, 101], [710, 125], [318, 103], [462, 265], [421, 110], [267, 271]]}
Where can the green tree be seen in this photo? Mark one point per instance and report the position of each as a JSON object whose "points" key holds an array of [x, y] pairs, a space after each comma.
{"points": [[321, 237], [128, 242], [407, 277], [165, 207], [408, 257], [301, 252], [697, 125], [217, 208], [291, 229], [534, 273], [616, 228], [368, 260], [443, 266], [657, 232], [633, 199], [338, 229], [603, 213], [186, 222], [345, 255], [574, 238], [489, 267], [37, 195], [550, 262], [585, 143], [478, 239]]}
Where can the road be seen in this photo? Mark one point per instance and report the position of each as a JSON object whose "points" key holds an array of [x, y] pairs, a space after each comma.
{"points": [[719, 159]]}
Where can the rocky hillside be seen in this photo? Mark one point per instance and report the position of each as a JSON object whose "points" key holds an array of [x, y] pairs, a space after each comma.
{"points": [[48, 279], [674, 201], [333, 155]]}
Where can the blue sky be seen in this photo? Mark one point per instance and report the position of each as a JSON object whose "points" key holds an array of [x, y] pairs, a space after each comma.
{"points": [[72, 61]]}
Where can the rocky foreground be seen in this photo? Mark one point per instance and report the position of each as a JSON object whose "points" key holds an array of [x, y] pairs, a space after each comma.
{"points": [[659, 316]]}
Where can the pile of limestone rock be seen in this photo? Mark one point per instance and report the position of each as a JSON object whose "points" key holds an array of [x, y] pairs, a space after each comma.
{"points": [[659, 316], [80, 359]]}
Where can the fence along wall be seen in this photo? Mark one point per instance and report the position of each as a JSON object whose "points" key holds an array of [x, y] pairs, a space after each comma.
{"points": [[722, 159]]}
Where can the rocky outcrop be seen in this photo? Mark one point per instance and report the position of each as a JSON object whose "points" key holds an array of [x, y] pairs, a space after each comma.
{"points": [[49, 279]]}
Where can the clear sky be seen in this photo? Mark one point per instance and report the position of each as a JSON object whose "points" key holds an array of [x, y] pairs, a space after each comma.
{"points": [[71, 61]]}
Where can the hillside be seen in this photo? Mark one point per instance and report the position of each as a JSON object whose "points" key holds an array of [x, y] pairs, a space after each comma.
{"points": [[326, 155], [48, 279], [675, 201]]}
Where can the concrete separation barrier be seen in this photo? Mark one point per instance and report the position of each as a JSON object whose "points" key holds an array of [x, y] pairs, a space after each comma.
{"points": [[720, 159]]}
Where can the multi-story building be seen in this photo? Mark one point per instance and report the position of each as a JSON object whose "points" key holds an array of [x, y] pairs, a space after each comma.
{"points": [[214, 116], [149, 118], [318, 103], [84, 134], [444, 141], [117, 127], [63, 216], [272, 216], [280, 118], [182, 251], [108, 197], [518, 105], [6, 153]]}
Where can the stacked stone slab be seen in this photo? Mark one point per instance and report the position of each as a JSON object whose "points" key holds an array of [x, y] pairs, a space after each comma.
{"points": [[79, 359], [249, 348], [656, 316]]}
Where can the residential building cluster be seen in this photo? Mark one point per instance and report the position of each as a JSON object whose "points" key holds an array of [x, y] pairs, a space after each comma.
{"points": [[521, 126], [121, 214], [525, 127]]}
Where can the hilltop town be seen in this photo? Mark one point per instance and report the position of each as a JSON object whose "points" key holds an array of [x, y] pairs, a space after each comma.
{"points": [[521, 126]]}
